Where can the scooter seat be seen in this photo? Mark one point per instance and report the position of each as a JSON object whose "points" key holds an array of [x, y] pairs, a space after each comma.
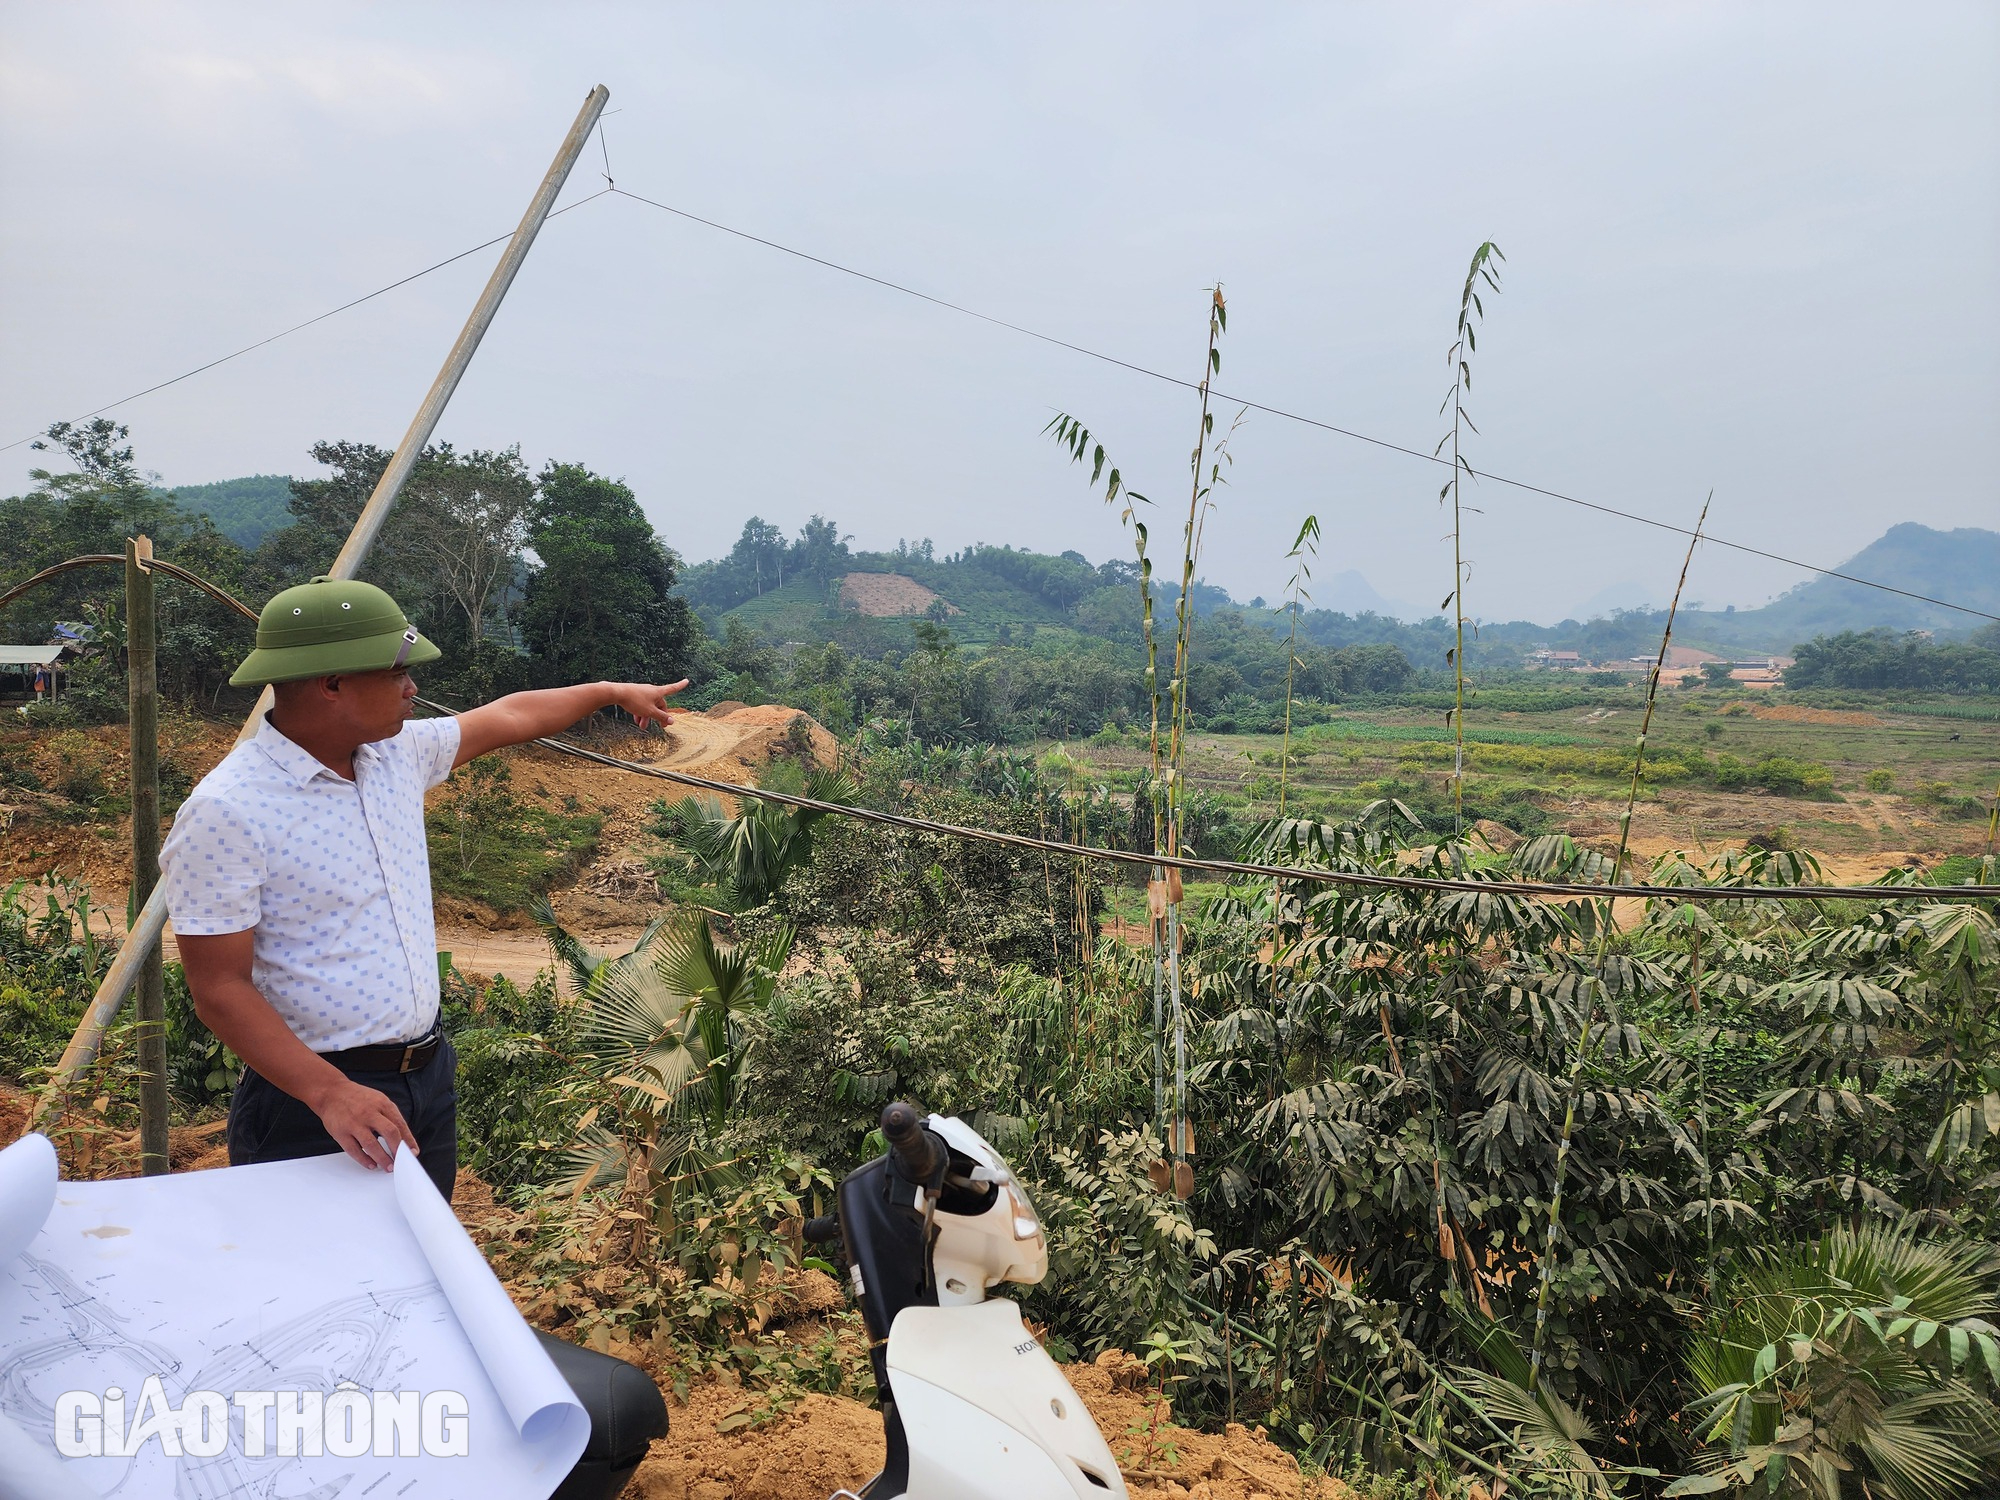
{"points": [[626, 1412]]}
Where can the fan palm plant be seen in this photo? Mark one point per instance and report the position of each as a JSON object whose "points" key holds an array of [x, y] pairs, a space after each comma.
{"points": [[1547, 1431], [667, 1034], [1863, 1363]]}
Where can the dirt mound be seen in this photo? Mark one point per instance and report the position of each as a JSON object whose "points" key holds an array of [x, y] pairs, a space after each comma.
{"points": [[1161, 1459], [735, 747], [617, 890], [825, 1442], [821, 1445], [1793, 713], [888, 595], [769, 728]]}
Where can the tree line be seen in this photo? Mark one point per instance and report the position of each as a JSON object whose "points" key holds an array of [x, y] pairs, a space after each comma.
{"points": [[527, 578], [523, 578], [1910, 662]]}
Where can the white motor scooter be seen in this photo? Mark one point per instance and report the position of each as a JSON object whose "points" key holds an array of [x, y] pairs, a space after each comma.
{"points": [[973, 1408]]}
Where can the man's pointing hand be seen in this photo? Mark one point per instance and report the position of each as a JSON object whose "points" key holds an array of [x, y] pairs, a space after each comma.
{"points": [[646, 703]]}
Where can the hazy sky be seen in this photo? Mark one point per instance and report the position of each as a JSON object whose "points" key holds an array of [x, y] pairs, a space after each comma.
{"points": [[1752, 247]]}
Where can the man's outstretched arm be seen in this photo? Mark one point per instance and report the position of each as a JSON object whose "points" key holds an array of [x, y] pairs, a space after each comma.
{"points": [[520, 717]]}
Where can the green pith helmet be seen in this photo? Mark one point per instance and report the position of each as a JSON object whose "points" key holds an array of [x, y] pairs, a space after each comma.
{"points": [[327, 627]]}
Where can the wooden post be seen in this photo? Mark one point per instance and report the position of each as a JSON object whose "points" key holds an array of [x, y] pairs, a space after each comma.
{"points": [[142, 687]]}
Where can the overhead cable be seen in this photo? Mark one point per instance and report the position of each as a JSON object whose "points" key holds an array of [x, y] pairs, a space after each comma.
{"points": [[1292, 416], [1310, 874], [296, 327]]}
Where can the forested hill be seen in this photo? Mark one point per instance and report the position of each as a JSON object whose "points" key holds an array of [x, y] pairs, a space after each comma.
{"points": [[791, 590], [986, 596], [245, 510]]}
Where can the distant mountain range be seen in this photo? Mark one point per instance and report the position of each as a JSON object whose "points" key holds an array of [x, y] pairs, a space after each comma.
{"points": [[1962, 566]]}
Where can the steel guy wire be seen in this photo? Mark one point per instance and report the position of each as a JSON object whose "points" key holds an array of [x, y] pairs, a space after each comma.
{"points": [[296, 327], [1311, 875], [1292, 416]]}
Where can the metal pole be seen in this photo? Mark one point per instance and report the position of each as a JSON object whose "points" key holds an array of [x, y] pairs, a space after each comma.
{"points": [[144, 935], [142, 696]]}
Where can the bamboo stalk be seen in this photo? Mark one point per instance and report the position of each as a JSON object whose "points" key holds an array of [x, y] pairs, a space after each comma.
{"points": [[1459, 358], [1304, 546], [1218, 322], [1652, 695], [1591, 986]]}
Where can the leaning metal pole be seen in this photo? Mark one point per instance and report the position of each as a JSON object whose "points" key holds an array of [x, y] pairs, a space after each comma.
{"points": [[144, 936]]}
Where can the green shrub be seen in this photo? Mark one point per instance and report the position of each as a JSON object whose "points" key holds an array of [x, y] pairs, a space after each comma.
{"points": [[200, 1070], [80, 764], [519, 1066], [1792, 778], [15, 770], [1881, 779], [486, 844], [49, 968]]}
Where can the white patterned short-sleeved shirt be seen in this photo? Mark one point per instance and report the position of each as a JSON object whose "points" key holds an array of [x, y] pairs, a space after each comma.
{"points": [[333, 875]]}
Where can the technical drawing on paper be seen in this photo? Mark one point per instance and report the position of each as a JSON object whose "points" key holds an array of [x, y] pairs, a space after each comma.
{"points": [[80, 1337]]}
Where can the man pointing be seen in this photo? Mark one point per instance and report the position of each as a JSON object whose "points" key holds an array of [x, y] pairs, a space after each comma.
{"points": [[298, 881]]}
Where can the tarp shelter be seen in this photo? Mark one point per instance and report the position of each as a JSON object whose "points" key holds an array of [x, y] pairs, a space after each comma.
{"points": [[21, 661]]}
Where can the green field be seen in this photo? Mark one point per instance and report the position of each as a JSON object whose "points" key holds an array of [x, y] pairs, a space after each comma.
{"points": [[1932, 780]]}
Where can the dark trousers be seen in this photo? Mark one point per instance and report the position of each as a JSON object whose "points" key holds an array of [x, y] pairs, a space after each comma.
{"points": [[268, 1124]]}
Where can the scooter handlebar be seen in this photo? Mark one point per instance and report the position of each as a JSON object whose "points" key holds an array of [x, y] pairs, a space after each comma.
{"points": [[913, 1146]]}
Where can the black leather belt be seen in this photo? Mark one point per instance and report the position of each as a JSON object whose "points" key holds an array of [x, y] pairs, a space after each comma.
{"points": [[389, 1057]]}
